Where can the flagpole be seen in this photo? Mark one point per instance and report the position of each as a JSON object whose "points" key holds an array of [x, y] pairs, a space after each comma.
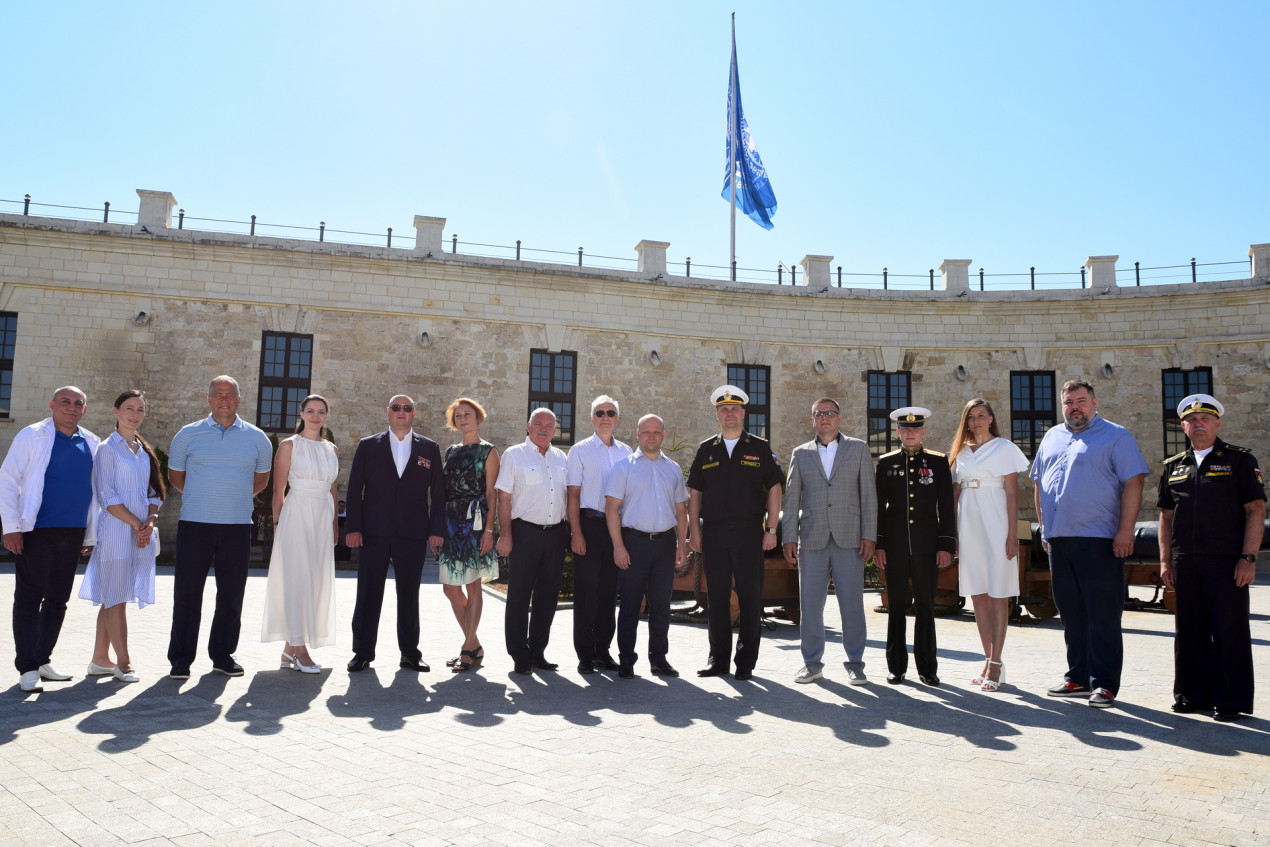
{"points": [[732, 141]]}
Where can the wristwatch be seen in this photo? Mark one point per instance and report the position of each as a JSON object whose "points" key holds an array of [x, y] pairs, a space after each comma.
{"points": [[1250, 557], [770, 530]]}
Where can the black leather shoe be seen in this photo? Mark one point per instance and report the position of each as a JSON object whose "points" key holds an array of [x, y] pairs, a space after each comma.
{"points": [[357, 663], [522, 668], [543, 665], [626, 671], [713, 670], [743, 675], [894, 678], [180, 672], [1228, 715], [1186, 707], [586, 668], [606, 663], [417, 665], [228, 667], [662, 668], [928, 678]]}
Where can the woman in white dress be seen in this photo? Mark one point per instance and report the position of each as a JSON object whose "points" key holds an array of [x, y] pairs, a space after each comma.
{"points": [[985, 471], [129, 487], [299, 601]]}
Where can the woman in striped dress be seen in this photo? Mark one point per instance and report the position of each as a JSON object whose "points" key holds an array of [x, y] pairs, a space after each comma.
{"points": [[129, 487]]}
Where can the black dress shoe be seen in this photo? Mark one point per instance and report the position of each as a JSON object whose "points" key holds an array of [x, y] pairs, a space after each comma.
{"points": [[928, 678], [606, 663], [626, 671], [357, 663], [713, 670], [522, 668], [894, 678], [418, 665], [662, 668], [1186, 707], [228, 667], [586, 668], [543, 665], [743, 675], [1228, 715]]}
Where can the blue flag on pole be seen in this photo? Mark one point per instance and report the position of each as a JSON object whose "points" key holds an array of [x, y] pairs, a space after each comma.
{"points": [[753, 190]]}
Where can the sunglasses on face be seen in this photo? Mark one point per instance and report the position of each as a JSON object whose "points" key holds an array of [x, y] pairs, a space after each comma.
{"points": [[605, 413], [401, 407]]}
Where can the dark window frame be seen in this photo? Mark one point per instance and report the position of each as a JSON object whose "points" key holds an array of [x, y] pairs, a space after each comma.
{"points": [[279, 396], [553, 384], [1175, 384], [756, 382], [1024, 411], [884, 389], [8, 348]]}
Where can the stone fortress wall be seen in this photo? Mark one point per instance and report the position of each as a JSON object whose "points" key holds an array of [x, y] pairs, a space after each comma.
{"points": [[79, 287]]}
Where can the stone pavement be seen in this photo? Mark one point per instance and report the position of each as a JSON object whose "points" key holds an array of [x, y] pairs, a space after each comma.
{"points": [[389, 757]]}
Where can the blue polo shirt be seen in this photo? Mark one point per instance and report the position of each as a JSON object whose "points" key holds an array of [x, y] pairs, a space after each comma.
{"points": [[68, 483], [220, 464], [1080, 477]]}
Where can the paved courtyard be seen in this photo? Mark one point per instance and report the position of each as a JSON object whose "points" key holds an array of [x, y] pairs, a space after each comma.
{"points": [[389, 757]]}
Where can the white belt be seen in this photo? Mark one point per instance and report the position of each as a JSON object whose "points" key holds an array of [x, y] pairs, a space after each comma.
{"points": [[983, 482], [315, 486]]}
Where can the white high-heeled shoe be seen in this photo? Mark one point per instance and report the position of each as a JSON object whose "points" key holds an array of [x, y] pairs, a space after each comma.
{"points": [[994, 684], [978, 678], [289, 661]]}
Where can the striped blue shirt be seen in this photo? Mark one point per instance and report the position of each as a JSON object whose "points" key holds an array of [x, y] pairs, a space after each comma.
{"points": [[649, 490], [220, 465]]}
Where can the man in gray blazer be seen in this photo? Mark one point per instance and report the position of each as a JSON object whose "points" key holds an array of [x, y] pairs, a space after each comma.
{"points": [[829, 526]]}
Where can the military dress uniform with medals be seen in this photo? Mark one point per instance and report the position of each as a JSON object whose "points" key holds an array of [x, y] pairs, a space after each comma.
{"points": [[733, 505], [915, 521], [1213, 647]]}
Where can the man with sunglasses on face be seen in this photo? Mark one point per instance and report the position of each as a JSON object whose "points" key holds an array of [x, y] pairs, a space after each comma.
{"points": [[595, 575], [396, 512]]}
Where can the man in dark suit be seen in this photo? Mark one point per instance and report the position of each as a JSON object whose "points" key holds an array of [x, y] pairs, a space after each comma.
{"points": [[396, 511]]}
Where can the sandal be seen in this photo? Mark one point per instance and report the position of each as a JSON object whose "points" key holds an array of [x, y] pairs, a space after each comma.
{"points": [[978, 678], [478, 655], [461, 664], [994, 684]]}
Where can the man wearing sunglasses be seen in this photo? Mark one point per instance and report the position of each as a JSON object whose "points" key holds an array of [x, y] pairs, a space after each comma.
{"points": [[595, 575], [396, 512]]}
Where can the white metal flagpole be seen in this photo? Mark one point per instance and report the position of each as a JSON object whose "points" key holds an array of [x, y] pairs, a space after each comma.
{"points": [[732, 142]]}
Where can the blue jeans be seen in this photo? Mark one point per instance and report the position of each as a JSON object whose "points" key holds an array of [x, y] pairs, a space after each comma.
{"points": [[814, 569], [1089, 591], [652, 573]]}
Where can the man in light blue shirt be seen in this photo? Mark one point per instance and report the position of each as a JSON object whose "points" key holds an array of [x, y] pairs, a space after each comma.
{"points": [[648, 523], [1088, 475], [219, 464]]}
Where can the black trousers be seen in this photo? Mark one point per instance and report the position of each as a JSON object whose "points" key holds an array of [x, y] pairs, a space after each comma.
{"points": [[733, 557], [651, 575], [199, 548], [1212, 653], [43, 576], [595, 580], [406, 556], [535, 567], [922, 573]]}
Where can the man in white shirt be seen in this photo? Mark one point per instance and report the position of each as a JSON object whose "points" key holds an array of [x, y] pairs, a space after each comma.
{"points": [[595, 576], [533, 532]]}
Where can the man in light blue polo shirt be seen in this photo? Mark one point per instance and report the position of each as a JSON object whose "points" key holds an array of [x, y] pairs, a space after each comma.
{"points": [[218, 464], [648, 523], [1088, 476]]}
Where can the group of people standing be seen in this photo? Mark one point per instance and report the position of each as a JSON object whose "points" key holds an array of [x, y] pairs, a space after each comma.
{"points": [[630, 519]]}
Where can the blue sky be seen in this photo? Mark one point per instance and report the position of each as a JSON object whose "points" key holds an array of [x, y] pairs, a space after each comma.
{"points": [[896, 135]]}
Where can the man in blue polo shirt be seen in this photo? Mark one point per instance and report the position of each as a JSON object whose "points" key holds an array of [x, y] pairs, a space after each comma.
{"points": [[218, 464], [1088, 474], [49, 515]]}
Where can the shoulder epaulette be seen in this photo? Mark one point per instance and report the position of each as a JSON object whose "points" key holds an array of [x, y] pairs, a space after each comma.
{"points": [[1236, 449], [889, 455], [1175, 458], [936, 453]]}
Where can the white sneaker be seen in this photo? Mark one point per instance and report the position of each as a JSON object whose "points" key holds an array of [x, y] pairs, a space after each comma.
{"points": [[52, 674], [31, 681], [857, 677], [808, 674]]}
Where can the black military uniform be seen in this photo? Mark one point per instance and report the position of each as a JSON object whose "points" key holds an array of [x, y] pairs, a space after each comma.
{"points": [[1213, 648], [915, 521], [733, 504]]}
